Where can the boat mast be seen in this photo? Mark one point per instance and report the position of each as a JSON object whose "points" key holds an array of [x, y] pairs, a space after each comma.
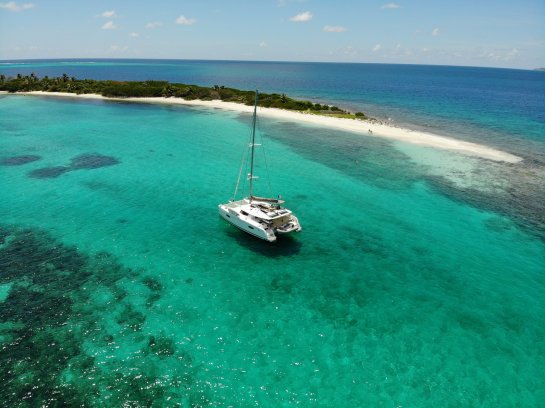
{"points": [[253, 146]]}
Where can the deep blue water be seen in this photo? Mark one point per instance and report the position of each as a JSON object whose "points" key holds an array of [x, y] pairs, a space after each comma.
{"points": [[503, 107]]}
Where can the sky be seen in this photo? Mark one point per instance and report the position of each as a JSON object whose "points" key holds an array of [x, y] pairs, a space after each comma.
{"points": [[499, 33]]}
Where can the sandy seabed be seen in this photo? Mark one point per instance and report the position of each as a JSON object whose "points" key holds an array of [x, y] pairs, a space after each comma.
{"points": [[368, 128]]}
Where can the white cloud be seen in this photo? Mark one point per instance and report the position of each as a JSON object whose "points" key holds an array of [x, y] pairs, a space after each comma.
{"points": [[109, 14], [118, 48], [391, 6], [377, 48], [154, 24], [134, 35], [334, 29], [109, 25], [350, 51], [263, 44], [302, 17], [397, 51], [13, 6], [513, 53], [499, 55], [435, 32], [183, 20]]}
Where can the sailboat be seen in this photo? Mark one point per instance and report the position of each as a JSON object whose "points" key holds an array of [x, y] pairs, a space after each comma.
{"points": [[262, 217]]}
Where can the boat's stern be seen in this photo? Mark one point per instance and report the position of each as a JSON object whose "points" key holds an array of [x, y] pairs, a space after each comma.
{"points": [[292, 225]]}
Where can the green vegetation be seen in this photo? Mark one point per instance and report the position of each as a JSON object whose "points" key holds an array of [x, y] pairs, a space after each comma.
{"points": [[122, 89]]}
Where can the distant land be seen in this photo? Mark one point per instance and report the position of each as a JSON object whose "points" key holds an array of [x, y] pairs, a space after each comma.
{"points": [[539, 69], [156, 89]]}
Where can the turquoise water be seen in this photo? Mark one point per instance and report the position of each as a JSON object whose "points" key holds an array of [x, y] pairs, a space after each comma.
{"points": [[120, 284]]}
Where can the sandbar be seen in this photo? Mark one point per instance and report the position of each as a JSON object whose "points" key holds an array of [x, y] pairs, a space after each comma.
{"points": [[367, 128]]}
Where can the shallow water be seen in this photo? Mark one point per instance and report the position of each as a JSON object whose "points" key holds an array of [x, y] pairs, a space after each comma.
{"points": [[121, 285]]}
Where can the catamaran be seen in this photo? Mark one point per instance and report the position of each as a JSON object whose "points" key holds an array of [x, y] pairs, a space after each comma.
{"points": [[261, 217]]}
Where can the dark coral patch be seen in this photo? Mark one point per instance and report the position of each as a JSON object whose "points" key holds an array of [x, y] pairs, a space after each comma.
{"points": [[92, 161], [152, 283], [43, 358], [131, 319], [83, 161], [43, 274], [151, 299], [4, 234], [161, 346], [18, 160], [49, 172]]}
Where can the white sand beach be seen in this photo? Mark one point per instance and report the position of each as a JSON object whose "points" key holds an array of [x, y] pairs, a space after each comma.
{"points": [[370, 129]]}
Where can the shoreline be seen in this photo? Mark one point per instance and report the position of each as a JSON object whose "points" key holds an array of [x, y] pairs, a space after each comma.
{"points": [[351, 125]]}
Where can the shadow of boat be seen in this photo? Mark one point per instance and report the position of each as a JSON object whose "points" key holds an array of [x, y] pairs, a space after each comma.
{"points": [[285, 245]]}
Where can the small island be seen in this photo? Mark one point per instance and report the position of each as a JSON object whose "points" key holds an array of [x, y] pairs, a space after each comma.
{"points": [[274, 105], [165, 89]]}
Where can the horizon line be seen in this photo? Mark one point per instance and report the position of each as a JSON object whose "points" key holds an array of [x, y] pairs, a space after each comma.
{"points": [[7, 61]]}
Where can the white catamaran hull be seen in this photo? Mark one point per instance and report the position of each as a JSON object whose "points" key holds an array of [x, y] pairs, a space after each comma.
{"points": [[246, 224]]}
